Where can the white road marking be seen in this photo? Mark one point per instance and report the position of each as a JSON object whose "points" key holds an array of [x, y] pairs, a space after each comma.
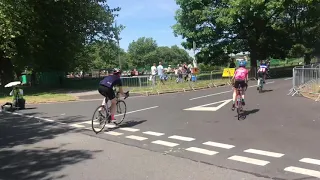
{"points": [[153, 133], [204, 108], [249, 160], [202, 151], [210, 95], [310, 161], [303, 171], [181, 138], [287, 79], [77, 125], [129, 129], [139, 138], [113, 133], [44, 119], [265, 153], [220, 145], [110, 125], [165, 143], [138, 110], [224, 92]]}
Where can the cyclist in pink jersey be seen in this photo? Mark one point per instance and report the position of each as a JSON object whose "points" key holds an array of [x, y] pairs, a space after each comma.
{"points": [[240, 77]]}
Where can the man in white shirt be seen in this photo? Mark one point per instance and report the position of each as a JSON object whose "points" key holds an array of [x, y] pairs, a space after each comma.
{"points": [[160, 72], [153, 74]]}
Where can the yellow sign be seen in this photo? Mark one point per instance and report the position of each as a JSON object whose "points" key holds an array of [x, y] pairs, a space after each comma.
{"points": [[228, 72]]}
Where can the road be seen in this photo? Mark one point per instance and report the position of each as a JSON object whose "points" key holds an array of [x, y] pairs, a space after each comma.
{"points": [[178, 136]]}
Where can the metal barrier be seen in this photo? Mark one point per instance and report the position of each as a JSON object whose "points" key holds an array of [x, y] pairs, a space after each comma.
{"points": [[306, 82]]}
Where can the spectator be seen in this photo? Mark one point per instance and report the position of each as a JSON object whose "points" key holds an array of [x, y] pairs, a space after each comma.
{"points": [[153, 74], [232, 63], [160, 72]]}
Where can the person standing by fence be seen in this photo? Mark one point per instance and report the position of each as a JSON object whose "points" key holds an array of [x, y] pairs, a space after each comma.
{"points": [[153, 74]]}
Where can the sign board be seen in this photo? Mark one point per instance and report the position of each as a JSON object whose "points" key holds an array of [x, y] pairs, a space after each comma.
{"points": [[228, 72]]}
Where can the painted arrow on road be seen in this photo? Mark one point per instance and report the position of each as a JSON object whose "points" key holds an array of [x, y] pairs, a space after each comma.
{"points": [[205, 108]]}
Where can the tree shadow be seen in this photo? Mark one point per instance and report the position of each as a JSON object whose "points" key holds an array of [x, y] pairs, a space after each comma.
{"points": [[31, 164], [20, 161]]}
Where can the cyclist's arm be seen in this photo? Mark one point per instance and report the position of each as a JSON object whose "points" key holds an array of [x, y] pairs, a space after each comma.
{"points": [[121, 91]]}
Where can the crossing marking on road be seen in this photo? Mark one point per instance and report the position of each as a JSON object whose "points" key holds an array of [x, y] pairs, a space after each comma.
{"points": [[139, 138], [205, 108], [113, 133], [182, 138], [153, 133], [77, 125], [249, 160], [165, 143], [310, 161], [264, 153], [138, 110], [129, 129], [202, 151], [303, 171], [220, 145]]}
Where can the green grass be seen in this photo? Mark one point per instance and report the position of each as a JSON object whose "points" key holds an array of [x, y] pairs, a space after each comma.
{"points": [[42, 98]]}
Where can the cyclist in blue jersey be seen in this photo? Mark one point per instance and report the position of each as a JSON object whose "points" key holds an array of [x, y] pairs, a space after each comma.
{"points": [[262, 71], [106, 89]]}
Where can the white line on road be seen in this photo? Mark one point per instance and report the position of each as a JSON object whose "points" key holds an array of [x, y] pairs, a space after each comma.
{"points": [[77, 125], [139, 138], [220, 145], [181, 138], [110, 126], [224, 92], [287, 79], [153, 133], [138, 110], [265, 153], [249, 160], [202, 151], [113, 133], [165, 143], [303, 171], [310, 161], [44, 119], [129, 129]]}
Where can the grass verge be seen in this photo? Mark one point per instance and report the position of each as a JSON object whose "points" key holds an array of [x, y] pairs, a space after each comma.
{"points": [[42, 98]]}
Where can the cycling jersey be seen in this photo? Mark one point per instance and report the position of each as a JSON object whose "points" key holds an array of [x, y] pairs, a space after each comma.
{"points": [[263, 68], [111, 81], [241, 74]]}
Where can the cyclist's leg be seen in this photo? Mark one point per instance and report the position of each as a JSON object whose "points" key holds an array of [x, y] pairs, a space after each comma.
{"points": [[234, 94], [243, 88], [103, 91], [111, 95]]}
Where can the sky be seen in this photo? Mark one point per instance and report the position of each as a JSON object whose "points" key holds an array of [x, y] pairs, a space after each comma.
{"points": [[147, 18]]}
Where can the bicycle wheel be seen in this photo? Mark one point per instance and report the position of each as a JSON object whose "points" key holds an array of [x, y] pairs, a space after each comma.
{"points": [[121, 111], [99, 118]]}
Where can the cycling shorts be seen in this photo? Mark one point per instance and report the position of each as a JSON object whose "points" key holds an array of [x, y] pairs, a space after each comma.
{"points": [[106, 92], [242, 84], [261, 74]]}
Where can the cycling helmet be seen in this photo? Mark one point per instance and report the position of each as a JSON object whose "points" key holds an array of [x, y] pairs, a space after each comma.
{"points": [[242, 63]]}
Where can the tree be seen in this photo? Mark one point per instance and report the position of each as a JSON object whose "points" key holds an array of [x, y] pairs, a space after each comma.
{"points": [[48, 35], [138, 51], [223, 27]]}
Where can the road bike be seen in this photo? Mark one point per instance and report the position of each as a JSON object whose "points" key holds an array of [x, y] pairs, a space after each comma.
{"points": [[103, 119], [238, 104]]}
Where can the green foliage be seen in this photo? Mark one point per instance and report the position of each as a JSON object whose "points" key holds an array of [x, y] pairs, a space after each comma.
{"points": [[264, 28]]}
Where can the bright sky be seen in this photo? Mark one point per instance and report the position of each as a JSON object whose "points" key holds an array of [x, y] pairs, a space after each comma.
{"points": [[149, 18]]}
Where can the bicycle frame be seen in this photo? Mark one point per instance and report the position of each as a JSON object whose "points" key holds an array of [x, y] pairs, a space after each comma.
{"points": [[239, 96]]}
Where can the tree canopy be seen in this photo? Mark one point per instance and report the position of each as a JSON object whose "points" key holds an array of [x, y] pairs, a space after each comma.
{"points": [[264, 28]]}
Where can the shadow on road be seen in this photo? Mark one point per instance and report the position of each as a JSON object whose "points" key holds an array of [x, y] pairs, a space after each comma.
{"points": [[127, 124], [266, 90], [19, 160], [248, 112]]}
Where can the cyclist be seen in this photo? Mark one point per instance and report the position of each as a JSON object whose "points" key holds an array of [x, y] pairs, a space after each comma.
{"points": [[106, 90], [240, 77], [262, 71]]}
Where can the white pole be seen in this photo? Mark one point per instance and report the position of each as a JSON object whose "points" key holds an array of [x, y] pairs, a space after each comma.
{"points": [[194, 54]]}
